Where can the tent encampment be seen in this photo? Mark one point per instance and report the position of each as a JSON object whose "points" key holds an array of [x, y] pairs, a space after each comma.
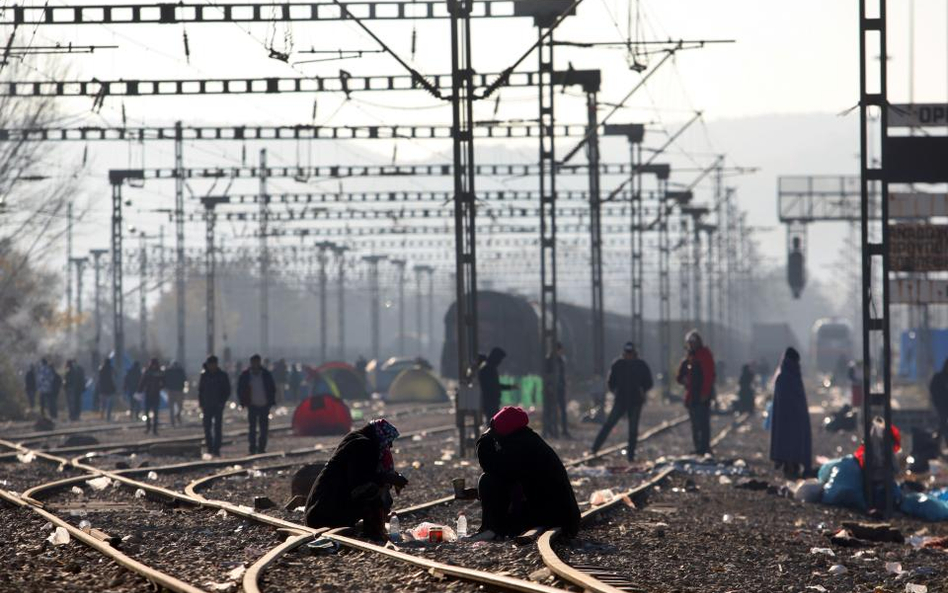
{"points": [[416, 385]]}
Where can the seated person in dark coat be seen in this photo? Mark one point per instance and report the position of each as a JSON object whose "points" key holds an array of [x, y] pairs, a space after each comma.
{"points": [[356, 482], [524, 484]]}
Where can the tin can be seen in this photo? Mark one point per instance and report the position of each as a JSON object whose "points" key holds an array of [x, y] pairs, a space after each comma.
{"points": [[435, 535]]}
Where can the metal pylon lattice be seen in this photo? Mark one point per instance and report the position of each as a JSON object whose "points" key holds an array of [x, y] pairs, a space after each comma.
{"points": [[179, 269], [638, 247], [664, 288], [595, 236], [684, 273], [264, 256], [876, 331], [465, 243], [547, 166], [116, 179]]}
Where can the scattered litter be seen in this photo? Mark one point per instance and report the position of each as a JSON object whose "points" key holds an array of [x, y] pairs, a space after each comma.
{"points": [[59, 537], [913, 588], [600, 497], [837, 570], [152, 475], [237, 573], [48, 526], [825, 551], [819, 588], [296, 510], [262, 503], [589, 471], [423, 532], [85, 525], [727, 518], [876, 532], [724, 480], [206, 457], [628, 501], [27, 457], [417, 438], [322, 547], [540, 575], [76, 490], [221, 513], [223, 587], [894, 568], [808, 491], [139, 493], [255, 473], [100, 483]]}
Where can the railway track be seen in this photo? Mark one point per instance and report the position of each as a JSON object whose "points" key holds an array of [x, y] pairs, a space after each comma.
{"points": [[299, 534]]}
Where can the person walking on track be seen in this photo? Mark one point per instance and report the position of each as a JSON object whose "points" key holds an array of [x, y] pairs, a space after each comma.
{"points": [[696, 374], [630, 379], [256, 391], [213, 393], [151, 384]]}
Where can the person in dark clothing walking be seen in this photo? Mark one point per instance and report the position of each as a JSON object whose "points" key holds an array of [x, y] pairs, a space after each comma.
{"points": [[790, 437], [213, 393], [105, 387], [175, 379], [489, 378], [745, 391], [554, 416], [524, 484], [256, 391], [151, 384], [132, 379], [45, 384], [938, 387], [356, 482], [30, 380], [696, 374], [630, 379], [75, 385], [295, 381]]}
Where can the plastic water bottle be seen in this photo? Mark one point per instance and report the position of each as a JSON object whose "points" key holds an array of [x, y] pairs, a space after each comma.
{"points": [[394, 527], [462, 525]]}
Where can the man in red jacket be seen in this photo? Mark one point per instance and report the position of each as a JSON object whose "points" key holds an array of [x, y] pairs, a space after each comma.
{"points": [[696, 374]]}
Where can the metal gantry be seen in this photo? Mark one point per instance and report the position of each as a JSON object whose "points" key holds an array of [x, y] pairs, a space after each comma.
{"points": [[264, 174], [323, 247], [375, 306], [97, 338], [179, 281], [117, 177], [210, 267]]}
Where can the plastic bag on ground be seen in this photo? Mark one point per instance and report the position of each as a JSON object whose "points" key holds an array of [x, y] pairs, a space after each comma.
{"points": [[924, 507], [76, 490], [59, 537], [601, 497], [843, 486], [808, 491], [100, 483], [420, 532], [27, 457]]}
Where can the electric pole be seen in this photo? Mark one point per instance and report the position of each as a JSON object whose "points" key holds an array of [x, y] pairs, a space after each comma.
{"points": [[375, 307], [340, 252], [179, 268], [264, 257], [400, 267], [324, 248], [210, 268], [97, 266]]}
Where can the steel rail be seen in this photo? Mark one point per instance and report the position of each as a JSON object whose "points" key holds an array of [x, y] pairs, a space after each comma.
{"points": [[587, 581]]}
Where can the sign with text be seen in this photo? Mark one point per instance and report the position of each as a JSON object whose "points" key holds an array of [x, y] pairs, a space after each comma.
{"points": [[917, 205], [918, 115], [918, 247], [916, 159], [917, 290]]}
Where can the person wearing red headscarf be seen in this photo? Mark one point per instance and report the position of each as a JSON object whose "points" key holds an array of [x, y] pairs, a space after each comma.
{"points": [[524, 484]]}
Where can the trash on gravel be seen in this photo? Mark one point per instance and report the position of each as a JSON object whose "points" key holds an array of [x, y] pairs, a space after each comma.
{"points": [[600, 497], [237, 573], [588, 471], [262, 503], [100, 483], [323, 546], [823, 551], [59, 537], [206, 457], [48, 526], [819, 588], [27, 457], [139, 493], [837, 570], [85, 525], [876, 532], [727, 518], [845, 539], [76, 490], [808, 491], [540, 575], [223, 587], [894, 568], [422, 531], [152, 475], [913, 588], [724, 480]]}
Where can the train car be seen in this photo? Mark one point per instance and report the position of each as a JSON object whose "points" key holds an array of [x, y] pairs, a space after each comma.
{"points": [[831, 345], [513, 323]]}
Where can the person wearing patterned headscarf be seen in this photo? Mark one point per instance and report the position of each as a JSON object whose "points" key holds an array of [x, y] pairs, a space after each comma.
{"points": [[356, 482]]}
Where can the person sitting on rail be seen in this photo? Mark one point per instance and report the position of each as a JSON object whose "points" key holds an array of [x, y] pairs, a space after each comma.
{"points": [[524, 484], [356, 482]]}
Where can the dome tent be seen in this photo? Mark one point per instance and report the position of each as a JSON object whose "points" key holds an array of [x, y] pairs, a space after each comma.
{"points": [[321, 415], [346, 380], [416, 385]]}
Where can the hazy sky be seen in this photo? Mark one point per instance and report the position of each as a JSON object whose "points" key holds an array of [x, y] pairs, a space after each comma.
{"points": [[788, 58]]}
